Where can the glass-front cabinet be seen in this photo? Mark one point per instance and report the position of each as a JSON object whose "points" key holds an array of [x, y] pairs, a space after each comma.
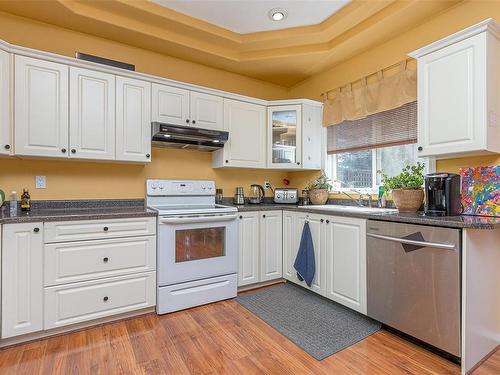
{"points": [[284, 136]]}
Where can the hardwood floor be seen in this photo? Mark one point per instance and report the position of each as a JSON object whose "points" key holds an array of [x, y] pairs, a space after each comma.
{"points": [[221, 338]]}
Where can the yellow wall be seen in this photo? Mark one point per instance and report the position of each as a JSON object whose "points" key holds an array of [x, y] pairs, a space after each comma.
{"points": [[456, 18], [70, 179], [80, 180]]}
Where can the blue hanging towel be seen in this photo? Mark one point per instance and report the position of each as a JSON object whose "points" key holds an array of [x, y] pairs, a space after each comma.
{"points": [[305, 263]]}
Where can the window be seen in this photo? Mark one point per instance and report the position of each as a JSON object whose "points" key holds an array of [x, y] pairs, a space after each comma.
{"points": [[383, 141], [358, 169]]}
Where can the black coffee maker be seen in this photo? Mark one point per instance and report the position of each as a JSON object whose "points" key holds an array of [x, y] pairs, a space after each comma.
{"points": [[442, 194]]}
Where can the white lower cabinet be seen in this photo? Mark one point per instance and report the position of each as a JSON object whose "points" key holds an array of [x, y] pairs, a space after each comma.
{"points": [[271, 245], [80, 302], [259, 246], [22, 279], [248, 248], [346, 262], [61, 273], [292, 233], [340, 254], [68, 262]]}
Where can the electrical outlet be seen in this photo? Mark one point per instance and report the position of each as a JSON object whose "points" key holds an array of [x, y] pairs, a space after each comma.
{"points": [[267, 185], [40, 182]]}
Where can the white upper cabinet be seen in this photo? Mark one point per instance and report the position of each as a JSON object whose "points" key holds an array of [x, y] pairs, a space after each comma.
{"points": [[271, 245], [170, 105], [345, 240], [246, 147], [176, 106], [5, 105], [133, 120], [206, 111], [284, 137], [41, 108], [458, 90], [22, 279], [92, 114], [313, 134]]}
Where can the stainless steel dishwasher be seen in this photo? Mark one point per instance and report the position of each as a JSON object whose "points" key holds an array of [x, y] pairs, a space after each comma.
{"points": [[413, 281]]}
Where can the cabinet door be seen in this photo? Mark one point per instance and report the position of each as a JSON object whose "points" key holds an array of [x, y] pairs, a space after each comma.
{"points": [[22, 279], [133, 120], [246, 147], [40, 108], [452, 98], [5, 104], [248, 248], [284, 137], [271, 245], [312, 137], [92, 114], [206, 111], [170, 105], [316, 224], [346, 262], [290, 244], [293, 225]]}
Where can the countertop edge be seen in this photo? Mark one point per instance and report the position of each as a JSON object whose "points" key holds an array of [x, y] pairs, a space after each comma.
{"points": [[445, 222], [77, 216]]}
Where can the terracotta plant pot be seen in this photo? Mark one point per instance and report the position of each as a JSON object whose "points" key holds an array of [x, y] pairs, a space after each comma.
{"points": [[408, 200], [318, 196]]}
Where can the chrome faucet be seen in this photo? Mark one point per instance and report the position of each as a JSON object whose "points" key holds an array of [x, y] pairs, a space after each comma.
{"points": [[369, 196], [358, 201]]}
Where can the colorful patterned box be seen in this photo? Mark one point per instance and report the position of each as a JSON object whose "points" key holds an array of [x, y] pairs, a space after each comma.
{"points": [[481, 191]]}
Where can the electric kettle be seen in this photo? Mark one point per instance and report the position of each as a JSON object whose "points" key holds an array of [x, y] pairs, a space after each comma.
{"points": [[256, 194]]}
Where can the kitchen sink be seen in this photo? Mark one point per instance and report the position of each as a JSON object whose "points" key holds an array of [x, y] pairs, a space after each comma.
{"points": [[353, 209]]}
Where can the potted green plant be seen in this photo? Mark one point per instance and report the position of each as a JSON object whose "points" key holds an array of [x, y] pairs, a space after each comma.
{"points": [[319, 189], [406, 187]]}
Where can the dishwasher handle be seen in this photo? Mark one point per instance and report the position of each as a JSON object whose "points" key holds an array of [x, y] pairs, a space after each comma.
{"points": [[437, 245]]}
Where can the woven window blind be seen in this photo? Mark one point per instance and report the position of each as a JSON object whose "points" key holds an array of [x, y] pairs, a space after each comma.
{"points": [[389, 128]]}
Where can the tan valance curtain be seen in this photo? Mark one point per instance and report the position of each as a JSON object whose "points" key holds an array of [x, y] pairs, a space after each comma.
{"points": [[385, 93]]}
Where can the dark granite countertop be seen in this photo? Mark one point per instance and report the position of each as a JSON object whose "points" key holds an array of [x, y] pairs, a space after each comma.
{"points": [[462, 221], [124, 208], [78, 210]]}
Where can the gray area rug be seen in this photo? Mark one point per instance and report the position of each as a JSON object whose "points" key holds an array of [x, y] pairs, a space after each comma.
{"points": [[319, 326]]}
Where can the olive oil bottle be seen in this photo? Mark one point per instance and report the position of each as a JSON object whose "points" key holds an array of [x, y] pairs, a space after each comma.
{"points": [[25, 200]]}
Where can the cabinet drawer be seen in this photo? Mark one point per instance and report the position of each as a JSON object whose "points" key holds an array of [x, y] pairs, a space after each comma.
{"points": [[70, 262], [64, 231], [79, 302]]}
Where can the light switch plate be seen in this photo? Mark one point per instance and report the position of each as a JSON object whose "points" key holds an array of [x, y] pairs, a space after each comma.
{"points": [[40, 182]]}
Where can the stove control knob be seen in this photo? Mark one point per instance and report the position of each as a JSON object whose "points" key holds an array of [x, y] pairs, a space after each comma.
{"points": [[154, 186], [161, 186]]}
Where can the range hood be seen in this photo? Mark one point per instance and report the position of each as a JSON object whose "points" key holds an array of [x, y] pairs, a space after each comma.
{"points": [[187, 137]]}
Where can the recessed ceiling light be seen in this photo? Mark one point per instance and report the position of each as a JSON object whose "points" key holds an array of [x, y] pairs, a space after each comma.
{"points": [[277, 14]]}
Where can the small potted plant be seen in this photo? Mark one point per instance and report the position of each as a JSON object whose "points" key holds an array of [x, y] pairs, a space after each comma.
{"points": [[319, 189], [406, 188]]}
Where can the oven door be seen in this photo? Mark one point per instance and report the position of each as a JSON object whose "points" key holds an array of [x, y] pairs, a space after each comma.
{"points": [[196, 247]]}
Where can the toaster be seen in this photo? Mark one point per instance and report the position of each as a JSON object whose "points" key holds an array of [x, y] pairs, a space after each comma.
{"points": [[286, 195]]}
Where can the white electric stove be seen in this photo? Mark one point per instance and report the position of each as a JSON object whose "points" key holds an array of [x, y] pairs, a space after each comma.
{"points": [[197, 244]]}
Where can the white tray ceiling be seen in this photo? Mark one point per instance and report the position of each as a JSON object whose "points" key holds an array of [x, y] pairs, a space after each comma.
{"points": [[247, 16]]}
